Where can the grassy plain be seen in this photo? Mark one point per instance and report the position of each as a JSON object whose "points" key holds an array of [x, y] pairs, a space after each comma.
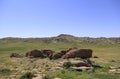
{"points": [[109, 55]]}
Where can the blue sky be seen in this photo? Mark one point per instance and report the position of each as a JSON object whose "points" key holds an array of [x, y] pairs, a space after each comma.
{"points": [[44, 18]]}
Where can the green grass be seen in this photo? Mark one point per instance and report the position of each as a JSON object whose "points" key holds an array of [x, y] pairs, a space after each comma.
{"points": [[6, 72], [106, 53], [83, 75]]}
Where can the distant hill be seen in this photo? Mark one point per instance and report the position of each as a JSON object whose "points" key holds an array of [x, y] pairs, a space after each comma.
{"points": [[67, 39]]}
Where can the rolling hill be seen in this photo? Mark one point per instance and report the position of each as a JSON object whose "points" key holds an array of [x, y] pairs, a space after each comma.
{"points": [[66, 39]]}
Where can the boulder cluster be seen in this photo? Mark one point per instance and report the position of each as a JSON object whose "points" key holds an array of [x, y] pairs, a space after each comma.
{"points": [[65, 54]]}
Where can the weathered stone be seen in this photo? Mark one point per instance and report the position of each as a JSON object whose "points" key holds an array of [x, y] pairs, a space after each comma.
{"points": [[83, 68], [35, 53], [79, 63], [82, 53]]}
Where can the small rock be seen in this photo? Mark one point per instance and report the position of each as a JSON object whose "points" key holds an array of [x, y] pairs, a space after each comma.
{"points": [[57, 78], [112, 70]]}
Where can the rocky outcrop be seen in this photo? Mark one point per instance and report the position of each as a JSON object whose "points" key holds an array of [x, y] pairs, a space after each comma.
{"points": [[70, 53], [80, 65]]}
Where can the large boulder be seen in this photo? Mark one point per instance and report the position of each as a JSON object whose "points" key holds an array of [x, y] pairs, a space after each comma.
{"points": [[82, 53], [35, 53]]}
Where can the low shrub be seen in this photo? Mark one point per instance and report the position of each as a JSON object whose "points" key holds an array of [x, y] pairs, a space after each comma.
{"points": [[67, 65], [5, 72], [27, 75]]}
